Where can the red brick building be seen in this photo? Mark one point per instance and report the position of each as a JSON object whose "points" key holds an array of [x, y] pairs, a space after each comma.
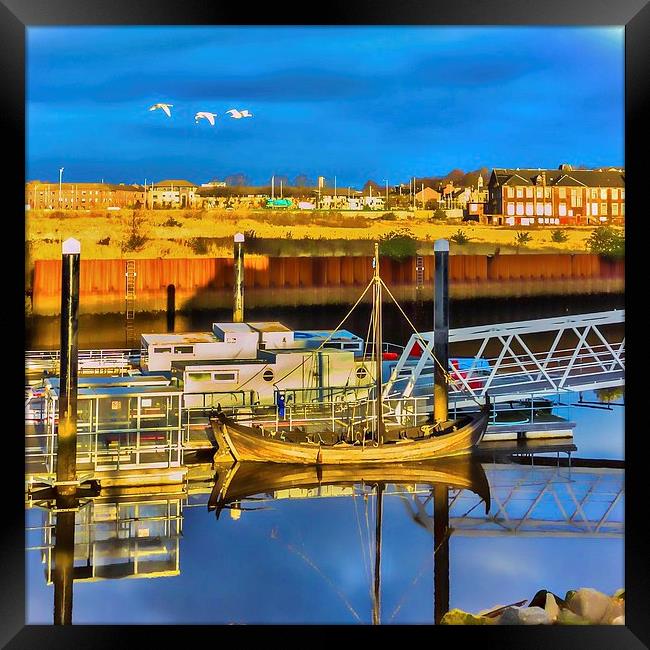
{"points": [[557, 196], [82, 196]]}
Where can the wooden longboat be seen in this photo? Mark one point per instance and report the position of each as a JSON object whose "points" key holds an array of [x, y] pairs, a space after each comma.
{"points": [[414, 444], [243, 480]]}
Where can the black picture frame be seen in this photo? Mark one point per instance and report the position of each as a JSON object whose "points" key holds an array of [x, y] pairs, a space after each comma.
{"points": [[17, 15]]}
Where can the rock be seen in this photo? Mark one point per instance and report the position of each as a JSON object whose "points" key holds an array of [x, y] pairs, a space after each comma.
{"points": [[567, 617], [619, 620], [551, 607], [524, 616], [620, 593], [615, 609], [589, 604], [459, 617]]}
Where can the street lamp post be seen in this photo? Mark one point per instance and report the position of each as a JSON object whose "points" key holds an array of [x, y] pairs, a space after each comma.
{"points": [[386, 181], [60, 180]]}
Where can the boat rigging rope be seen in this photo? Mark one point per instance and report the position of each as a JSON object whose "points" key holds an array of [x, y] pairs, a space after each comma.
{"points": [[426, 349], [320, 347]]}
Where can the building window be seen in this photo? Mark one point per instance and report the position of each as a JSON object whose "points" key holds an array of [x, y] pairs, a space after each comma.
{"points": [[603, 208], [562, 192], [614, 193], [622, 209], [603, 192], [529, 192], [232, 375], [594, 193], [615, 209], [520, 192], [547, 192], [548, 209], [622, 194], [594, 209], [511, 208], [538, 192], [529, 209], [562, 209], [520, 208], [199, 376], [540, 208]]}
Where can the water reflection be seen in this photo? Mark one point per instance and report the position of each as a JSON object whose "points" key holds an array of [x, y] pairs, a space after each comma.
{"points": [[266, 544]]}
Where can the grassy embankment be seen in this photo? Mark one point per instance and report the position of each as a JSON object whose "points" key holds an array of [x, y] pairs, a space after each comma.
{"points": [[208, 233]]}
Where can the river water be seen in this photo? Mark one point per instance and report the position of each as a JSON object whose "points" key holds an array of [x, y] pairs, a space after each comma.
{"points": [[307, 555]]}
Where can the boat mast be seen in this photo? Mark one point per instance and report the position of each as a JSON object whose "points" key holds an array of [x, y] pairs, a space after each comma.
{"points": [[378, 344], [376, 605]]}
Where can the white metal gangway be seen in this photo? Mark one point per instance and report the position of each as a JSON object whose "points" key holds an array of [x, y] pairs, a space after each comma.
{"points": [[542, 357]]}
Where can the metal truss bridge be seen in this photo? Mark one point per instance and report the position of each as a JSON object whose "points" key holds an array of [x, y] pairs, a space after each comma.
{"points": [[542, 357]]}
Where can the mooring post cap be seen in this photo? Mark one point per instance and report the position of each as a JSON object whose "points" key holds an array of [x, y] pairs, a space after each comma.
{"points": [[441, 245], [71, 246], [239, 238]]}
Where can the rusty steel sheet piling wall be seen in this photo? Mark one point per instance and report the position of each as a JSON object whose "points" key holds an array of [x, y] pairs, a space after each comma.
{"points": [[102, 281]]}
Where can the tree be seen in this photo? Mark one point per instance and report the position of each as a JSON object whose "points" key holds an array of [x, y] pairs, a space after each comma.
{"points": [[235, 180], [302, 180], [607, 241]]}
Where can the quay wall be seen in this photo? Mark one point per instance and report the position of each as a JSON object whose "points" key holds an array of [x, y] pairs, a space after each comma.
{"points": [[102, 283]]}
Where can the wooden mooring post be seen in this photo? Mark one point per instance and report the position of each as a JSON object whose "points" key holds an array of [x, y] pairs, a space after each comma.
{"points": [[66, 463], [441, 331], [238, 291]]}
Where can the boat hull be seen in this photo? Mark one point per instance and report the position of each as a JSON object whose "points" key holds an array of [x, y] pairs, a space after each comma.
{"points": [[247, 444]]}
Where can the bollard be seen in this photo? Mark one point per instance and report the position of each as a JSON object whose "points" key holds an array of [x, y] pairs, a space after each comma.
{"points": [[238, 294], [441, 330], [66, 456]]}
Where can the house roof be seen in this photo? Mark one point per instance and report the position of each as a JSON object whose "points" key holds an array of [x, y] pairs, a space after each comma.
{"points": [[611, 177], [175, 183]]}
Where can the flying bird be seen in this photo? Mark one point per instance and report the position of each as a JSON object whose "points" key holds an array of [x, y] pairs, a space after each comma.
{"points": [[208, 116], [238, 115], [165, 108]]}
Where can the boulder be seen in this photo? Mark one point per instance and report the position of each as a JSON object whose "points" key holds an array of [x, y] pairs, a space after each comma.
{"points": [[459, 617], [615, 609], [589, 604], [619, 620], [551, 607], [524, 616]]}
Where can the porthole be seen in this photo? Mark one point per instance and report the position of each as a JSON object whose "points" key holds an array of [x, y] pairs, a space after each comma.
{"points": [[361, 373], [267, 375]]}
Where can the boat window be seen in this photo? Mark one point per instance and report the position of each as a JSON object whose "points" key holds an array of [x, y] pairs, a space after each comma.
{"points": [[161, 350], [361, 373], [183, 349], [225, 376], [199, 376], [267, 375], [350, 346]]}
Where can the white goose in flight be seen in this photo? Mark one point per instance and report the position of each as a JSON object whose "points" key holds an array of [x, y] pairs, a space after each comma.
{"points": [[208, 116], [165, 108], [239, 114]]}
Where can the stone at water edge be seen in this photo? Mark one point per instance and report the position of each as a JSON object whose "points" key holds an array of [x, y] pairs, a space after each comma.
{"points": [[459, 617], [589, 604], [551, 607], [524, 616], [615, 609], [619, 620]]}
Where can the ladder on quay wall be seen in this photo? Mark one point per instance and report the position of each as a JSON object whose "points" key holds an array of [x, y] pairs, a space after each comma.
{"points": [[130, 303], [419, 272]]}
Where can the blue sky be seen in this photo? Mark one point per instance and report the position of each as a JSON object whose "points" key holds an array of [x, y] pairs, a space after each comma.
{"points": [[355, 102]]}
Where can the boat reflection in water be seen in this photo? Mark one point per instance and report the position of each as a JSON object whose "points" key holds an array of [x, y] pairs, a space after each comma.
{"points": [[424, 482]]}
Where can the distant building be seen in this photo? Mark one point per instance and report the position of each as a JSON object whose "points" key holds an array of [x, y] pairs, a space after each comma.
{"points": [[172, 194], [557, 196], [214, 183], [82, 196], [426, 195]]}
